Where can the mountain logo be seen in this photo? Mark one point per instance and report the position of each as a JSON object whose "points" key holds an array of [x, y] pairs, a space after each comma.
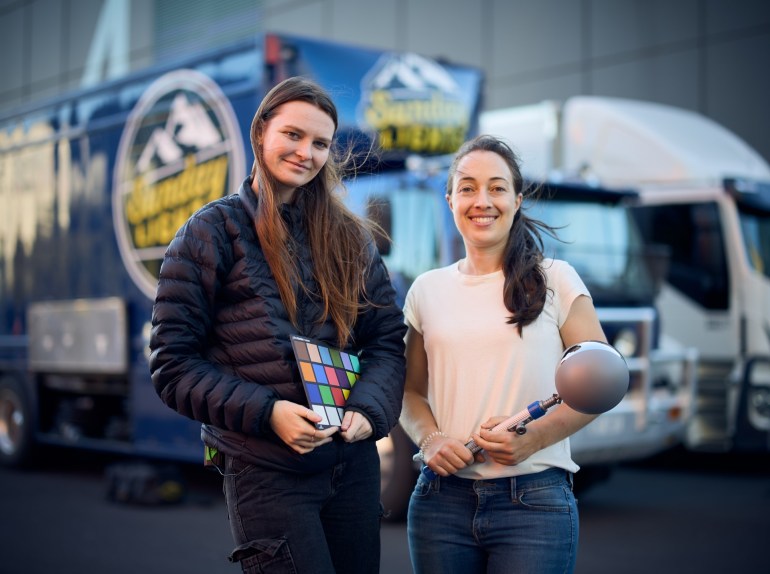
{"points": [[414, 105], [180, 149]]}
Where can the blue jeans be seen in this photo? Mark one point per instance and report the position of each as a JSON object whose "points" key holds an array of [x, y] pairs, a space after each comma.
{"points": [[521, 525], [324, 523]]}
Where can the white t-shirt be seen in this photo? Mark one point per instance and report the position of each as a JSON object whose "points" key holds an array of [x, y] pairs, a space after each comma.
{"points": [[479, 366]]}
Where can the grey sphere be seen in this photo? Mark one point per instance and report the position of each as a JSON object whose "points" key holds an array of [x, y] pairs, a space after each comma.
{"points": [[592, 377]]}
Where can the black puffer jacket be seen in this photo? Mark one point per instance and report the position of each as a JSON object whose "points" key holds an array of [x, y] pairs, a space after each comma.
{"points": [[220, 339]]}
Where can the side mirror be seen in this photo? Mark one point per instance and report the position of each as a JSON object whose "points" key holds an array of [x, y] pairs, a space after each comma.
{"points": [[379, 210]]}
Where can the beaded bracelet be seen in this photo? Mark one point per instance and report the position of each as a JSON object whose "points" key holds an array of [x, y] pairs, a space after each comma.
{"points": [[426, 443]]}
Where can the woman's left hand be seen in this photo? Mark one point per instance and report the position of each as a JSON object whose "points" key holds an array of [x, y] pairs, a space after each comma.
{"points": [[354, 427], [505, 447]]}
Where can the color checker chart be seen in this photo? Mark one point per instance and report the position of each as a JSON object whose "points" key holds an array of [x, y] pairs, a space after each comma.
{"points": [[327, 374]]}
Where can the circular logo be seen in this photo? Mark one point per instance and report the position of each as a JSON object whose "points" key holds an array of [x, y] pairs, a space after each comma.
{"points": [[181, 148], [415, 105]]}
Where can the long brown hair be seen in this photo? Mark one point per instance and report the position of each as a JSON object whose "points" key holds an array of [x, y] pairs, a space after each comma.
{"points": [[338, 238], [524, 290]]}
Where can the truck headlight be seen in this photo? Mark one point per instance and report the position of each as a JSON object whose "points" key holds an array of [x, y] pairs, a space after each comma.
{"points": [[758, 399], [626, 342]]}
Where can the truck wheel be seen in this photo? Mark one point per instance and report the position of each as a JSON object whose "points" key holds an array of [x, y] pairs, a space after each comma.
{"points": [[398, 473], [16, 441]]}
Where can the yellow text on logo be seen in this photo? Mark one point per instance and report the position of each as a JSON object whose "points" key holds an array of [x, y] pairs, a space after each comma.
{"points": [[435, 125], [155, 212]]}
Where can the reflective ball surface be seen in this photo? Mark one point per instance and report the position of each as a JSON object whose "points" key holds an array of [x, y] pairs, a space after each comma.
{"points": [[592, 377]]}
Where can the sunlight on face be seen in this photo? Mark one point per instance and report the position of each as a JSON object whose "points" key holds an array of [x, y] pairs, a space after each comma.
{"points": [[484, 201], [295, 145]]}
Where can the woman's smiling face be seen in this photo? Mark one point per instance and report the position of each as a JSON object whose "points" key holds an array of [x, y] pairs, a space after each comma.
{"points": [[295, 145], [484, 200]]}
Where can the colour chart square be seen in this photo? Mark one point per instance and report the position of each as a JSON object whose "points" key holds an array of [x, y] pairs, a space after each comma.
{"points": [[328, 375]]}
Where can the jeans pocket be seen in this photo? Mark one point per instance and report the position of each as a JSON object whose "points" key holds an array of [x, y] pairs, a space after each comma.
{"points": [[236, 466], [423, 487], [552, 498], [242, 472]]}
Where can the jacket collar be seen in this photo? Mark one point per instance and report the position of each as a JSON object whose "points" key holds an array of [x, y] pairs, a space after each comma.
{"points": [[291, 213], [248, 198]]}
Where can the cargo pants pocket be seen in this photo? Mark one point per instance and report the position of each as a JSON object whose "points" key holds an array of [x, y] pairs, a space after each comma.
{"points": [[264, 556]]}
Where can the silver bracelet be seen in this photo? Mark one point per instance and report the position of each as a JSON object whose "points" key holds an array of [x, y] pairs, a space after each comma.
{"points": [[426, 443]]}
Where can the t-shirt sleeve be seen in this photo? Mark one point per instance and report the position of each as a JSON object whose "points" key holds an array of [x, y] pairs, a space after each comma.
{"points": [[411, 306], [568, 286]]}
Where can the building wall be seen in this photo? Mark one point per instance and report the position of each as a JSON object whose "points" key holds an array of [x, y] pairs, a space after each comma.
{"points": [[705, 55]]}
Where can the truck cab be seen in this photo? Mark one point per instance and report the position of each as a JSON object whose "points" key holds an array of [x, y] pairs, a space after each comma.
{"points": [[717, 297], [599, 236]]}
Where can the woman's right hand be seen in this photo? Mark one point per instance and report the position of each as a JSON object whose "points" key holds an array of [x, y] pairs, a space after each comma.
{"points": [[446, 455], [295, 425]]}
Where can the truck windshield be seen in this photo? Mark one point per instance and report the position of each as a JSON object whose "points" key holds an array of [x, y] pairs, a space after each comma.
{"points": [[755, 229], [753, 201], [603, 244], [413, 212]]}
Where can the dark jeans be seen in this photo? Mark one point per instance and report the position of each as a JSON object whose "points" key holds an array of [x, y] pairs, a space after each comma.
{"points": [[324, 523]]}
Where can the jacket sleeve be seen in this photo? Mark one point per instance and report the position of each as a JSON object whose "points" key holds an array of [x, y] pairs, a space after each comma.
{"points": [[182, 318], [379, 337]]}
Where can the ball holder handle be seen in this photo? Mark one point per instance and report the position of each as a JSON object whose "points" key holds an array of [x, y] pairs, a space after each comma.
{"points": [[592, 378], [517, 423]]}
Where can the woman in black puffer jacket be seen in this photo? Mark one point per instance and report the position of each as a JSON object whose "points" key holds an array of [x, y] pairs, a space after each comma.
{"points": [[284, 257]]}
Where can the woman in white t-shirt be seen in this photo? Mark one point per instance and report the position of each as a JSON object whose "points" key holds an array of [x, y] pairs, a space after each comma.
{"points": [[485, 337]]}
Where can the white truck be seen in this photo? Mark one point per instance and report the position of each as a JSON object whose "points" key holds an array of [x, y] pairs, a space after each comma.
{"points": [[704, 194]]}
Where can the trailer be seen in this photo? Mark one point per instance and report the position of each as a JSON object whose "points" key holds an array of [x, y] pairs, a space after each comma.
{"points": [[94, 185]]}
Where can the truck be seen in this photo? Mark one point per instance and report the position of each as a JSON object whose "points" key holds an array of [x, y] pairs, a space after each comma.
{"points": [[704, 195], [93, 186]]}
